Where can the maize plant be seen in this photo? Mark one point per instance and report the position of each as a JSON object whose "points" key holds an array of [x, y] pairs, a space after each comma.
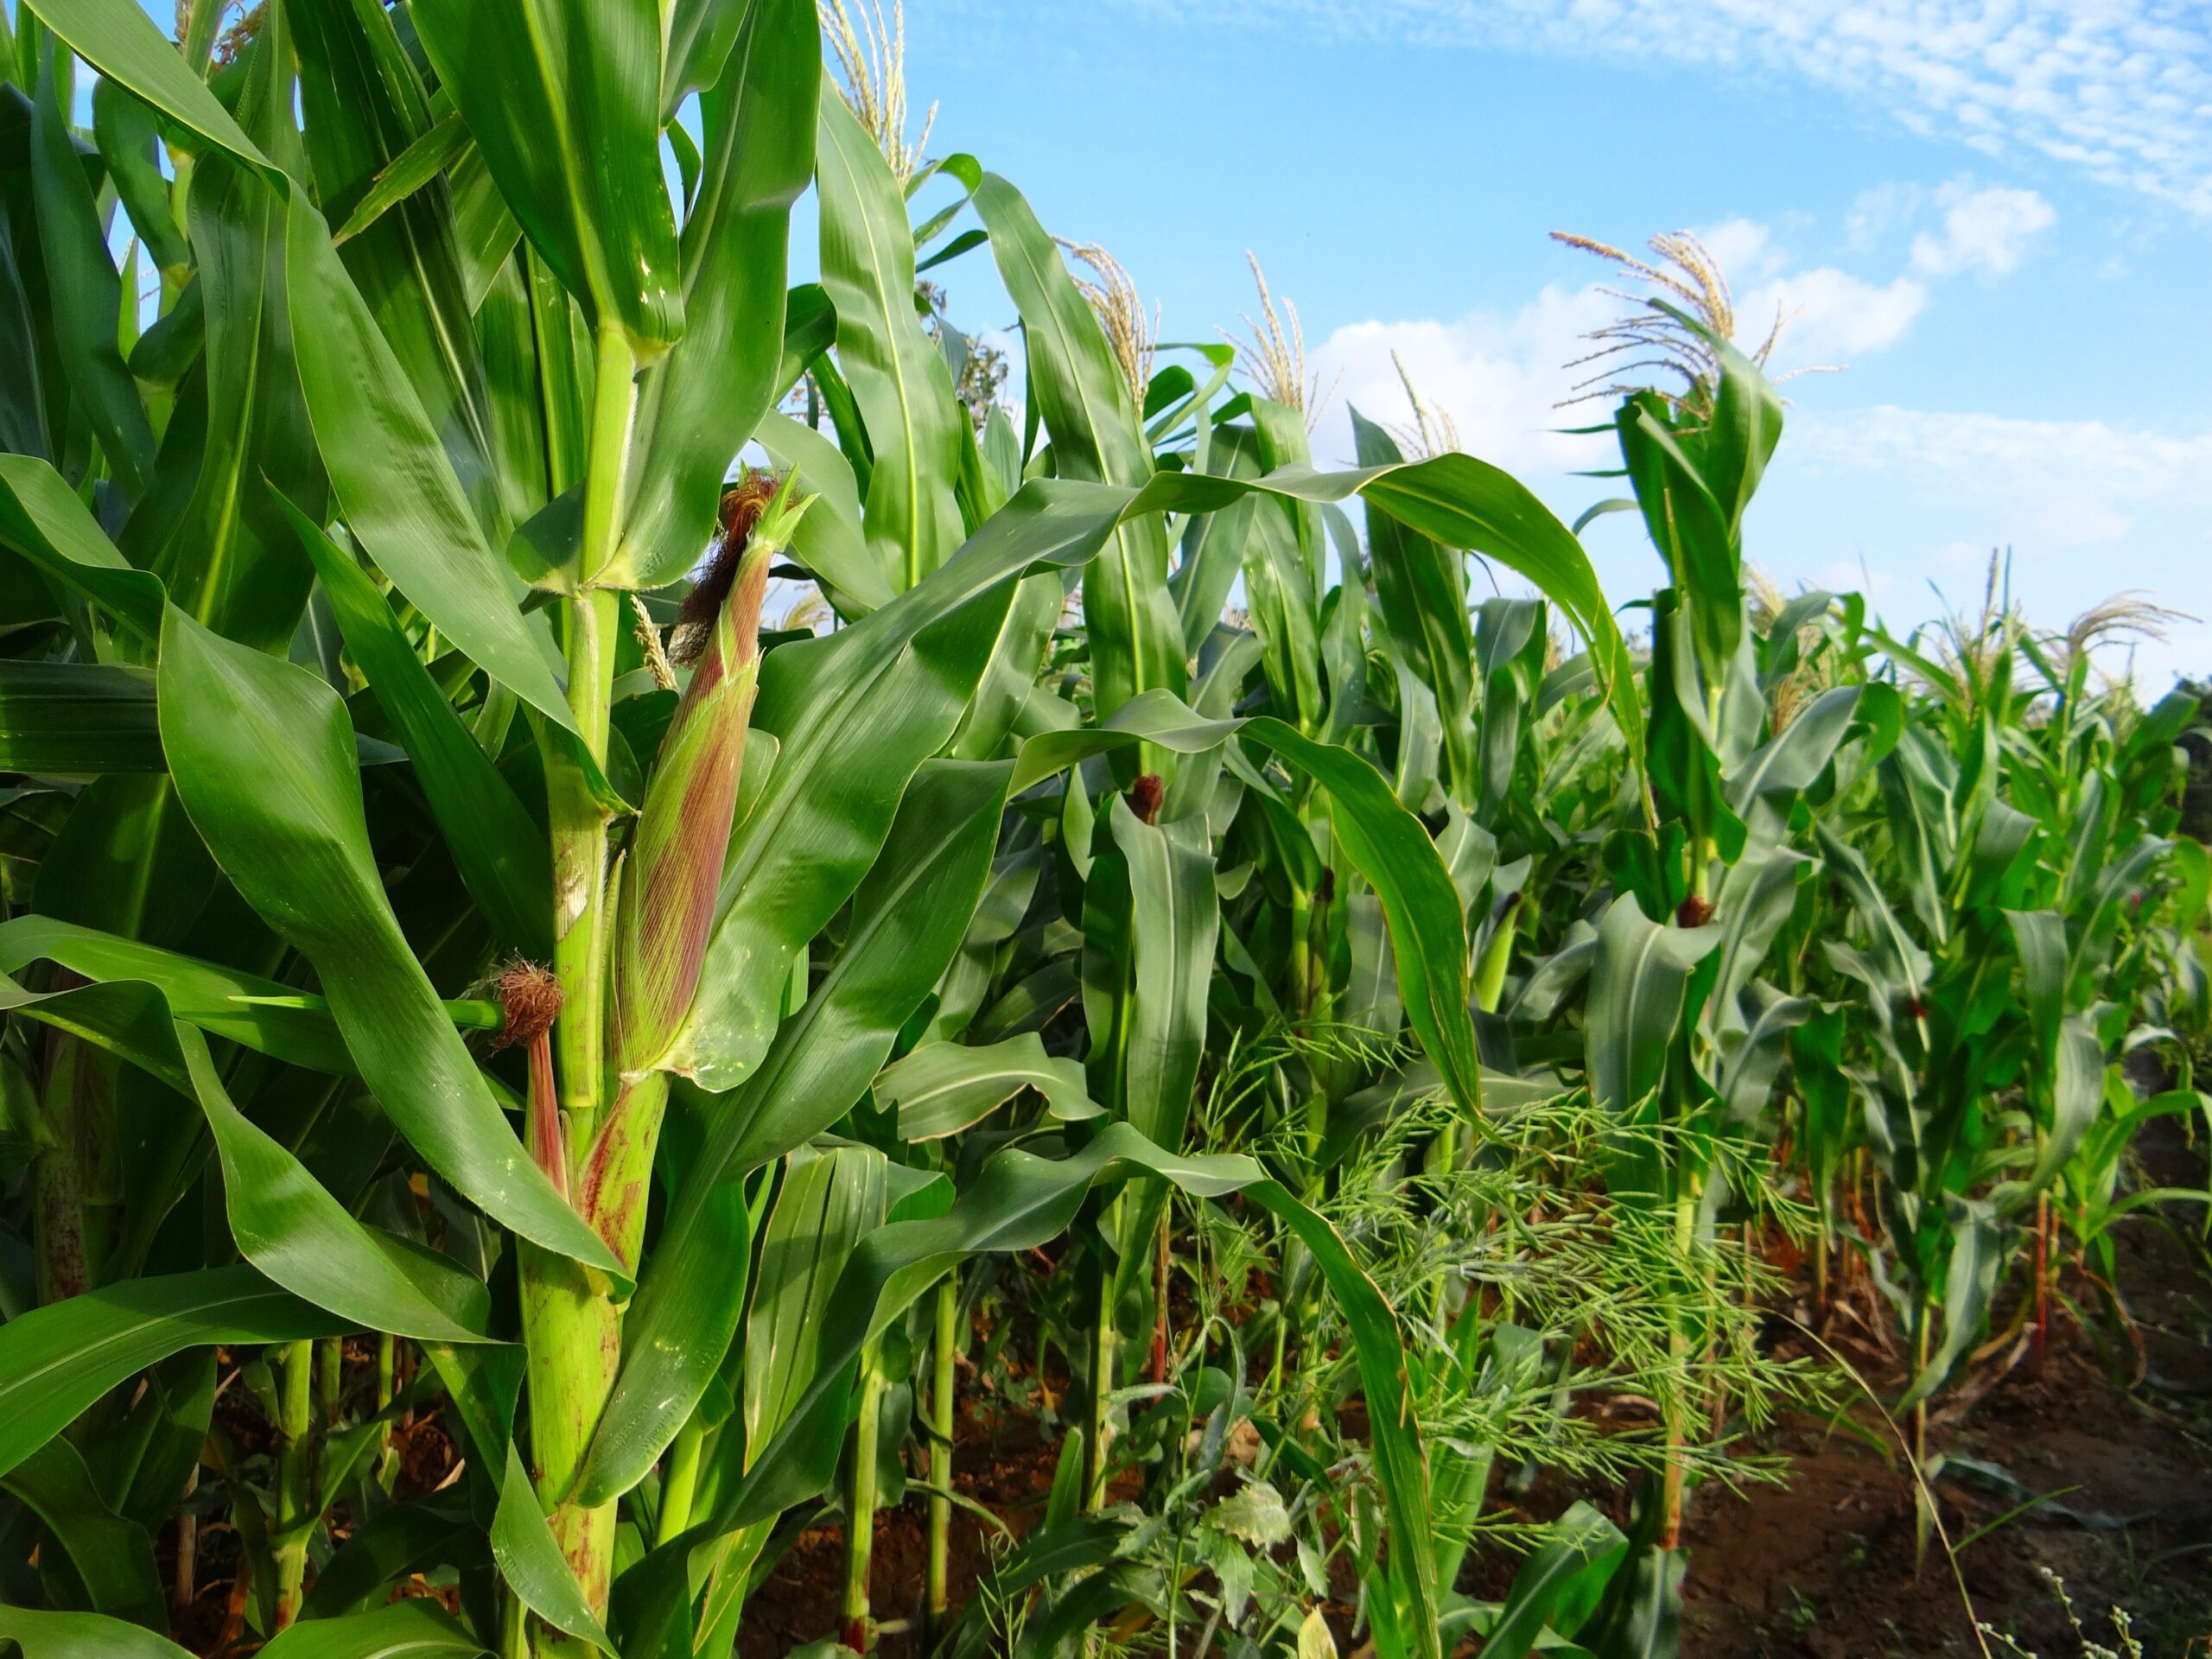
{"points": [[536, 1078]]}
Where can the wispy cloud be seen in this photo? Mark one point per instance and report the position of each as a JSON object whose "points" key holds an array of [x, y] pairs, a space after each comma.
{"points": [[2052, 486], [2119, 89], [1987, 230], [2084, 507], [1504, 377]]}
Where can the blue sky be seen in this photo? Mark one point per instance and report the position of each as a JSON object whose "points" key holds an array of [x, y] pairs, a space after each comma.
{"points": [[1998, 214]]}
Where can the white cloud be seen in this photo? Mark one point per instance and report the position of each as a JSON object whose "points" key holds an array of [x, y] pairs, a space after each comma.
{"points": [[2084, 507], [1828, 313], [2062, 486], [2119, 89], [1874, 213], [1500, 378], [1986, 229], [1503, 377], [1742, 247]]}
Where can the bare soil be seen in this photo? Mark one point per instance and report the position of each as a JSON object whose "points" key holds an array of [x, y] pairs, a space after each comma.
{"points": [[2114, 1430], [2115, 1433]]}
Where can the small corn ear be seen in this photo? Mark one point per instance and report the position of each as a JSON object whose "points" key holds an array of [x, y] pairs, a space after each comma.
{"points": [[675, 859]]}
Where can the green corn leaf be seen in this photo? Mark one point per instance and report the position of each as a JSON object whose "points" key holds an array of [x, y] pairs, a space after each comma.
{"points": [[826, 1206], [127, 1019], [259, 753], [943, 1088], [539, 381], [699, 404], [1464, 502], [829, 541], [390, 1546], [529, 1558], [118, 39], [1019, 1200], [1158, 717], [266, 1016], [501, 853], [81, 1636], [1460, 502], [1970, 1280], [1280, 595], [1897, 953], [1585, 1546], [369, 120], [1752, 1050], [562, 98], [1428, 929], [114, 1557], [1150, 920], [1752, 902], [1688, 524], [394, 483], [287, 1224], [22, 392], [1421, 590], [56, 1360], [42, 518], [78, 719], [425, 159], [125, 130], [2070, 1060], [86, 292], [898, 376], [1637, 990], [406, 1628], [227, 561], [2077, 1093], [699, 37], [1400, 1465], [2039, 936], [828, 1203], [1085, 401], [1763, 788]]}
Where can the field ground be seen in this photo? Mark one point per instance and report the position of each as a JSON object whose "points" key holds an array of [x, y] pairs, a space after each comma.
{"points": [[1823, 1567]]}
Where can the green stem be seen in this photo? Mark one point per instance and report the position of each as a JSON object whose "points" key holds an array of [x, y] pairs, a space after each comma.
{"points": [[1679, 1340], [614, 409], [572, 1328], [580, 823], [295, 1476], [387, 1369], [859, 1508], [679, 1486], [1105, 1356], [69, 1225], [1444, 1164], [492, 717], [330, 1360], [58, 1225], [1921, 1322], [943, 1355]]}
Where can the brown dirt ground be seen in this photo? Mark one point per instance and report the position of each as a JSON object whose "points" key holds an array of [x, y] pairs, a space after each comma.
{"points": [[1825, 1568]]}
